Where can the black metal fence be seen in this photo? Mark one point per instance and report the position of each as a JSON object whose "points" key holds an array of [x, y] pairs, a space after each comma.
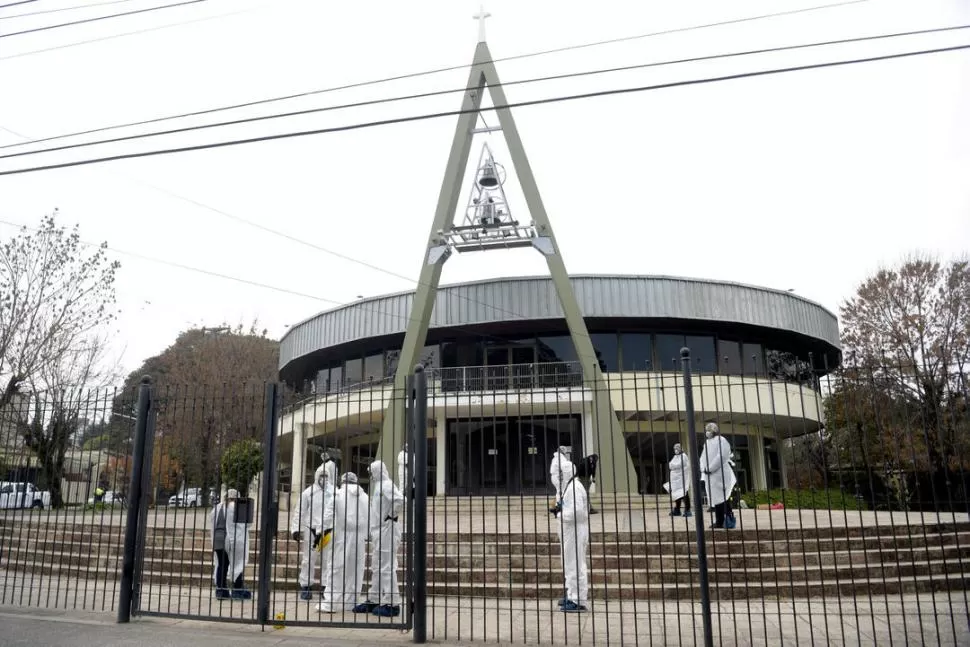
{"points": [[847, 519]]}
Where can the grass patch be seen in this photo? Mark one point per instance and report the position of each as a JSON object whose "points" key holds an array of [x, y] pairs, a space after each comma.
{"points": [[831, 499]]}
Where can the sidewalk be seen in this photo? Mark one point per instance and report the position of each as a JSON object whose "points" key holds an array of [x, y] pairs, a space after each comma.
{"points": [[34, 627]]}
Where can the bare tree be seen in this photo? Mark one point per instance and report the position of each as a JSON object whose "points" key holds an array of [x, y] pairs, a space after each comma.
{"points": [[907, 332], [65, 393], [53, 296]]}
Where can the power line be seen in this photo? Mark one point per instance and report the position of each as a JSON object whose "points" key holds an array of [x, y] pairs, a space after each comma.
{"points": [[14, 4], [422, 95], [439, 70], [96, 19], [452, 113], [74, 8], [131, 33], [258, 284], [302, 241]]}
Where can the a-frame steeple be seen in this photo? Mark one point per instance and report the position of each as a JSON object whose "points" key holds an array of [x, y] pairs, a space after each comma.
{"points": [[615, 473]]}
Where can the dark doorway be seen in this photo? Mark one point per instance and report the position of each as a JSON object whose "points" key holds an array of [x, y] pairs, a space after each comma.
{"points": [[507, 456]]}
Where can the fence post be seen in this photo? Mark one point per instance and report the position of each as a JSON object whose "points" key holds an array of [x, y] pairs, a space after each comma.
{"points": [[135, 500], [420, 471], [269, 502], [696, 487]]}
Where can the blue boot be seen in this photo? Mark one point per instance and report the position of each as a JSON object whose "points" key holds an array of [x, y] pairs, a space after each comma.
{"points": [[305, 593], [387, 611]]}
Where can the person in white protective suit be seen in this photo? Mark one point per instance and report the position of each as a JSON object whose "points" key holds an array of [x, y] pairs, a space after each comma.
{"points": [[717, 470], [231, 558], [679, 484], [386, 506], [561, 458], [407, 489], [574, 534], [351, 526], [305, 527]]}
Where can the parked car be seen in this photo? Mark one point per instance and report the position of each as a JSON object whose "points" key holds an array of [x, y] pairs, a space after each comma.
{"points": [[192, 498], [22, 495]]}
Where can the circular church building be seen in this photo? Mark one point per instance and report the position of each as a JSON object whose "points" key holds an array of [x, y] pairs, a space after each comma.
{"points": [[505, 388]]}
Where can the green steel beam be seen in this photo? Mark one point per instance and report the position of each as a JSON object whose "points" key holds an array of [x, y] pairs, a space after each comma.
{"points": [[615, 473]]}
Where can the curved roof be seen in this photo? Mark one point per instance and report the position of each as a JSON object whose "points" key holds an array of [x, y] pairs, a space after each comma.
{"points": [[533, 297]]}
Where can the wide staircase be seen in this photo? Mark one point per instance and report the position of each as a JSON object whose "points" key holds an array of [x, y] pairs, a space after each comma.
{"points": [[748, 562]]}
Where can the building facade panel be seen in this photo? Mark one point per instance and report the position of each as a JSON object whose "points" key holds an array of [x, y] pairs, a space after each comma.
{"points": [[534, 298]]}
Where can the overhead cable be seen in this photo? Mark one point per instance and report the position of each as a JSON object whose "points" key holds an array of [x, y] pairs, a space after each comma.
{"points": [[98, 18], [452, 113], [434, 93], [411, 75]]}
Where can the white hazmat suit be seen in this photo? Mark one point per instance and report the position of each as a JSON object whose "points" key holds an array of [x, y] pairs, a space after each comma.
{"points": [[718, 473], [386, 506], [307, 522], [574, 529], [680, 478], [236, 545], [402, 466], [349, 547]]}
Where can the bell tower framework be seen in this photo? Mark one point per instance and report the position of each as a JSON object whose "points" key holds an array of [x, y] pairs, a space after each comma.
{"points": [[488, 224]]}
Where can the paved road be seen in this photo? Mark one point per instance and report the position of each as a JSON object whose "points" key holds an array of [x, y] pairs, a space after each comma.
{"points": [[33, 628]]}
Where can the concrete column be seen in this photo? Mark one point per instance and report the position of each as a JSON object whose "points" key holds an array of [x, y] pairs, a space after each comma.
{"points": [[756, 452], [298, 463], [589, 438], [441, 456]]}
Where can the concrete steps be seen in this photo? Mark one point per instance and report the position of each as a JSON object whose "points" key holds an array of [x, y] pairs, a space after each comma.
{"points": [[657, 564]]}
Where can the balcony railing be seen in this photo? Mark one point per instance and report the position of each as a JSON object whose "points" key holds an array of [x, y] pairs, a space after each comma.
{"points": [[508, 377]]}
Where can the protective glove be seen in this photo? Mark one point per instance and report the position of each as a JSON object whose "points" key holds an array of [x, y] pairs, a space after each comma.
{"points": [[555, 510], [297, 535], [321, 541], [390, 518]]}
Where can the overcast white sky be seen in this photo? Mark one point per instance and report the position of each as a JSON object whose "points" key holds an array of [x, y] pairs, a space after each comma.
{"points": [[808, 180]]}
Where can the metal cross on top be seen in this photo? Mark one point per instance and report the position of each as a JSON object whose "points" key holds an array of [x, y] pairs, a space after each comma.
{"points": [[480, 17]]}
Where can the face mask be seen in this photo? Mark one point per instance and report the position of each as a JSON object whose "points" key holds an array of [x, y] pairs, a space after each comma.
{"points": [[677, 452], [709, 434]]}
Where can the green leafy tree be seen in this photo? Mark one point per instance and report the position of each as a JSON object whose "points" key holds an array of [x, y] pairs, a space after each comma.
{"points": [[241, 462]]}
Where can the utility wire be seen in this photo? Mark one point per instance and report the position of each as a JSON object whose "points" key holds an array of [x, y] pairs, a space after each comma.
{"points": [[74, 8], [130, 33], [258, 284], [96, 19], [452, 113], [304, 242], [14, 4], [422, 95], [439, 70]]}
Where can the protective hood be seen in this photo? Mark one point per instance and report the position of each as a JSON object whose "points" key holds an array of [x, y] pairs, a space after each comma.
{"points": [[319, 476], [711, 429], [379, 474], [349, 478], [568, 472]]}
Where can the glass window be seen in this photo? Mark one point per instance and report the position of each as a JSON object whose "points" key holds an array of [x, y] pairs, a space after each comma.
{"points": [[702, 355], [556, 348], [391, 359], [668, 352], [637, 351], [323, 377], [336, 378], [782, 365], [754, 359], [729, 357], [430, 356], [353, 371], [607, 350], [374, 367]]}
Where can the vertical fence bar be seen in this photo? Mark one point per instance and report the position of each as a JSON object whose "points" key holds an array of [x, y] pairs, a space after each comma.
{"points": [[269, 503], [135, 496], [420, 471], [696, 486]]}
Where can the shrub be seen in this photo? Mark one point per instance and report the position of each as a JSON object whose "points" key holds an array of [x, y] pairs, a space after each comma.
{"points": [[831, 499], [241, 463]]}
